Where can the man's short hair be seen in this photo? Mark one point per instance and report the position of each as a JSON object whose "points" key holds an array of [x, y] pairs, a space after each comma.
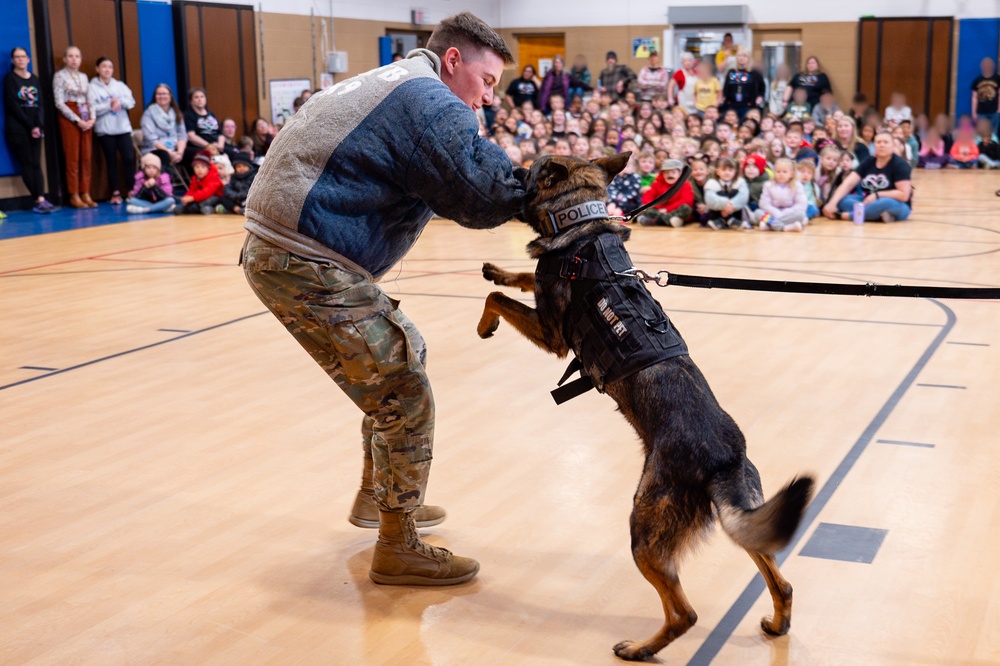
{"points": [[467, 32]]}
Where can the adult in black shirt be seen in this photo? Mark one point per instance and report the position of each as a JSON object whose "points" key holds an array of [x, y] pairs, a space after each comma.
{"points": [[744, 88], [24, 120], [881, 183], [985, 91], [524, 88], [201, 124], [813, 80]]}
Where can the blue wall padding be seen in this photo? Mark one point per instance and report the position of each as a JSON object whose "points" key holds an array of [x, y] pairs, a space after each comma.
{"points": [[13, 32], [384, 50], [977, 39], [156, 48]]}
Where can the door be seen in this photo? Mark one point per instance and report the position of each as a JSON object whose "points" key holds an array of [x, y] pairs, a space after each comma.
{"points": [[217, 50], [705, 42], [911, 56], [538, 51], [780, 53], [404, 41]]}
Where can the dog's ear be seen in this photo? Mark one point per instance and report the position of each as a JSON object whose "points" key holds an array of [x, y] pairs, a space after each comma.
{"points": [[552, 173], [612, 165]]}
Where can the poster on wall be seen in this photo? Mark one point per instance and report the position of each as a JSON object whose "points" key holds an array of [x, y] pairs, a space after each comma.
{"points": [[325, 80], [283, 93], [544, 65], [643, 46]]}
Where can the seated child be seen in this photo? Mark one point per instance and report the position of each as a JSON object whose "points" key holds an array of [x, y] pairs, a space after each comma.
{"points": [[698, 180], [755, 173], [799, 107], [783, 201], [646, 168], [205, 191], [965, 152], [829, 176], [911, 141], [726, 196], [989, 149], [897, 111], [625, 190], [806, 171], [825, 108], [246, 146], [933, 154], [221, 161], [153, 192], [234, 193], [676, 210]]}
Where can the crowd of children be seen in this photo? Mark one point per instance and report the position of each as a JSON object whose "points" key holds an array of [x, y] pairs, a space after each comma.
{"points": [[770, 167]]}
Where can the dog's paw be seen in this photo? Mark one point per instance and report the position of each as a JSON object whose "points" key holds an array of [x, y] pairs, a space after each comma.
{"points": [[632, 651], [772, 628], [494, 274], [488, 326]]}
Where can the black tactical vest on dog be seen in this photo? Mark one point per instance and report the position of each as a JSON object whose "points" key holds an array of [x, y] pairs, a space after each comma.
{"points": [[615, 326]]}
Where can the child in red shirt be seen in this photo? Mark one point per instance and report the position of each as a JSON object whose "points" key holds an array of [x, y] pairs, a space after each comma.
{"points": [[205, 191], [676, 210]]}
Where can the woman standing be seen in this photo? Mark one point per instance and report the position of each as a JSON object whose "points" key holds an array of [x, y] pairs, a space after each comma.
{"points": [[881, 183], [202, 125], [163, 128], [681, 89], [110, 101], [524, 88], [23, 105], [557, 82], [70, 87], [744, 87], [812, 79], [776, 102]]}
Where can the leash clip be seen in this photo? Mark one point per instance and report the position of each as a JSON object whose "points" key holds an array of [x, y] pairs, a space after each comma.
{"points": [[661, 278]]}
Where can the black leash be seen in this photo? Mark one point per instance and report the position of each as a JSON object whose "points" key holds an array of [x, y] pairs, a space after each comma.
{"points": [[665, 278]]}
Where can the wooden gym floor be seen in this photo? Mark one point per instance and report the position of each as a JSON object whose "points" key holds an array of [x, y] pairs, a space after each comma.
{"points": [[175, 473]]}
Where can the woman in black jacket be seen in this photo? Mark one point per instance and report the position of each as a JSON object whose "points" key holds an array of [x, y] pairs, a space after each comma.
{"points": [[24, 119], [744, 88]]}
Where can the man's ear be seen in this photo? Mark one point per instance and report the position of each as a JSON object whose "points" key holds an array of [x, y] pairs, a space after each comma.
{"points": [[450, 58], [612, 165], [553, 173]]}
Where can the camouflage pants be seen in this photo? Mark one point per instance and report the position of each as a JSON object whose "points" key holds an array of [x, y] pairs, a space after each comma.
{"points": [[369, 348]]}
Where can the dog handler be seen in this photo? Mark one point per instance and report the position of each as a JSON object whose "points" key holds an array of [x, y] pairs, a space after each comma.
{"points": [[348, 185]]}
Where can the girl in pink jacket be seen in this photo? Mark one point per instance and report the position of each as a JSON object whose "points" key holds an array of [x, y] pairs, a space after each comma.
{"points": [[783, 201]]}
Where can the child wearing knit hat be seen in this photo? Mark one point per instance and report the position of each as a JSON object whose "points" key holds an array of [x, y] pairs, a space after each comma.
{"points": [[205, 191], [755, 173], [153, 192]]}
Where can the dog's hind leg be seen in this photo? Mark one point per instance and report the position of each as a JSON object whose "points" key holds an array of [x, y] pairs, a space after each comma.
{"points": [[781, 595], [498, 276], [654, 549]]}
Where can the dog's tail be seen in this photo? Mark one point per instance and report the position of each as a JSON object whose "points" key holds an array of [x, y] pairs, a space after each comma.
{"points": [[769, 527]]}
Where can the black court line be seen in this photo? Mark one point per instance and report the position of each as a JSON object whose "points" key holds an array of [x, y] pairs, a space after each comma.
{"points": [[722, 632], [174, 330], [36, 367], [131, 351], [970, 344], [947, 386], [893, 441]]}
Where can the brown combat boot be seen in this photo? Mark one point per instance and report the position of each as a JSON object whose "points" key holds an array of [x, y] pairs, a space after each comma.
{"points": [[401, 558], [365, 511], [76, 202]]}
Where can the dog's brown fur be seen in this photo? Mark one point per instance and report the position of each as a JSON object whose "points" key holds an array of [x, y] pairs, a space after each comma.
{"points": [[695, 453]]}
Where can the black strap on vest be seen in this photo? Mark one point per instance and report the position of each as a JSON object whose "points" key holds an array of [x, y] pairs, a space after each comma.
{"points": [[576, 387]]}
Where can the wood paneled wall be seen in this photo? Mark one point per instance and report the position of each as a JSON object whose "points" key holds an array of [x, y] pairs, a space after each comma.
{"points": [[835, 44]]}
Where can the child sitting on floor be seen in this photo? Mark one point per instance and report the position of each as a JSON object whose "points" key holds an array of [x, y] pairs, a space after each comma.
{"points": [[829, 175], [965, 152], [698, 180], [989, 149], [783, 201], [234, 193], [646, 168], [933, 154], [676, 210], [726, 196], [625, 190], [205, 191], [755, 173], [153, 192], [806, 171]]}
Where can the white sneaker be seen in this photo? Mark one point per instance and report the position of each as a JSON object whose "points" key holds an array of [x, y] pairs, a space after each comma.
{"points": [[717, 225], [763, 226], [132, 209], [676, 222], [172, 208], [794, 226]]}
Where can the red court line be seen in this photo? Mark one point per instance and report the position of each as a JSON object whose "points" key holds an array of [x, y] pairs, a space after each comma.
{"points": [[154, 261], [109, 254]]}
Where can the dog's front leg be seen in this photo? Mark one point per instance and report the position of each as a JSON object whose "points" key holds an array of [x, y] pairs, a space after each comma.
{"points": [[520, 316], [498, 276]]}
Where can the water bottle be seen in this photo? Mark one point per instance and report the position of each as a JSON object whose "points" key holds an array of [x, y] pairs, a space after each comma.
{"points": [[859, 213], [84, 112]]}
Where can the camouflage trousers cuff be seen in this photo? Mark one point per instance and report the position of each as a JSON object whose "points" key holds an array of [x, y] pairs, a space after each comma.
{"points": [[401, 469]]}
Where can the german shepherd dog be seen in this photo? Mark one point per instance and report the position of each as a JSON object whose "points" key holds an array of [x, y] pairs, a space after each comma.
{"points": [[696, 465]]}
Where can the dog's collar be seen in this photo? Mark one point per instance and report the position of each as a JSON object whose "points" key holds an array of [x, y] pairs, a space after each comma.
{"points": [[561, 220]]}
